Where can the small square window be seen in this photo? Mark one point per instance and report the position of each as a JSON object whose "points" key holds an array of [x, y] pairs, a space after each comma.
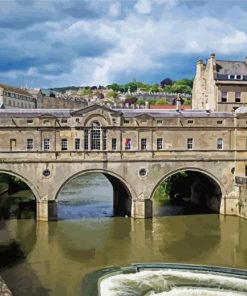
{"points": [[127, 144], [159, 121], [189, 143], [219, 122], [220, 144], [224, 96], [77, 143], [64, 144], [114, 144], [29, 144], [143, 144], [29, 121], [64, 121], [238, 97], [126, 121], [159, 143], [190, 121]]}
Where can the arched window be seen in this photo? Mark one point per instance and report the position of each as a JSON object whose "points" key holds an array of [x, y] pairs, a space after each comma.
{"points": [[95, 136]]}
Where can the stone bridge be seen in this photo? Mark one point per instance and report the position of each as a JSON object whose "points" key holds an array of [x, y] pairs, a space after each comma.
{"points": [[138, 151]]}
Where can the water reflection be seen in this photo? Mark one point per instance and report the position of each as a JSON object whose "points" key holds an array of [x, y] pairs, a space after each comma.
{"points": [[56, 255]]}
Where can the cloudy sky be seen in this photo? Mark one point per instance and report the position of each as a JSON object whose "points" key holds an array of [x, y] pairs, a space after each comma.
{"points": [[48, 43]]}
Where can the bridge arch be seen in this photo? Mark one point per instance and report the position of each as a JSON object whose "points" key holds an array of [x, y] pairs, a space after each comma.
{"points": [[123, 193], [18, 198], [24, 180], [202, 173]]}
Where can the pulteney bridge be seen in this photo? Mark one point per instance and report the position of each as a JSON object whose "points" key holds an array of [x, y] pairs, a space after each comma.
{"points": [[135, 149]]}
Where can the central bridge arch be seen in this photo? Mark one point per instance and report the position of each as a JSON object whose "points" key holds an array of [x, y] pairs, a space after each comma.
{"points": [[122, 191]]}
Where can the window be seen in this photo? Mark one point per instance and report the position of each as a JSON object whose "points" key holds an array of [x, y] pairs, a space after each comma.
{"points": [[29, 144], [239, 77], [127, 144], [64, 121], [77, 143], [220, 143], [159, 121], [64, 144], [95, 136], [159, 143], [126, 121], [231, 76], [29, 121], [238, 97], [86, 139], [189, 143], [114, 144], [114, 121], [246, 171], [143, 144], [104, 133], [219, 122], [190, 121], [224, 96], [46, 144]]}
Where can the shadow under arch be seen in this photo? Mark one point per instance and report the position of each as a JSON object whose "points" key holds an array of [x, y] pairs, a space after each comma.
{"points": [[123, 194], [203, 192], [24, 180]]}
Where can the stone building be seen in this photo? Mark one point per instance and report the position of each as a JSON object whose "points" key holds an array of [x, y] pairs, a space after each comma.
{"points": [[219, 85], [12, 97], [135, 149], [50, 100]]}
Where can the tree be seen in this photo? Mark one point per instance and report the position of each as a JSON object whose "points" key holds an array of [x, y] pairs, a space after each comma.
{"points": [[165, 82]]}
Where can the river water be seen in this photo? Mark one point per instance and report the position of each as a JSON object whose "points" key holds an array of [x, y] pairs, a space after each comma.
{"points": [[52, 258]]}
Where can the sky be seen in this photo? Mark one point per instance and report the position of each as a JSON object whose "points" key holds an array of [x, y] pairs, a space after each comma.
{"points": [[55, 43]]}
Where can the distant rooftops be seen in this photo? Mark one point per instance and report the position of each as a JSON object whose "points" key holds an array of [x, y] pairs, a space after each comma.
{"points": [[16, 90]]}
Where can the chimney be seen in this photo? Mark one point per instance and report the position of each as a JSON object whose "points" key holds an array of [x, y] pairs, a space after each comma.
{"points": [[199, 68]]}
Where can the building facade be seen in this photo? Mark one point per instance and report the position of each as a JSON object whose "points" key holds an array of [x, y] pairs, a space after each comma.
{"points": [[135, 149], [14, 98], [219, 85]]}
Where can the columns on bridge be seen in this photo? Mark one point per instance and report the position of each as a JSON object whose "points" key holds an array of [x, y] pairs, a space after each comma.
{"points": [[46, 210]]}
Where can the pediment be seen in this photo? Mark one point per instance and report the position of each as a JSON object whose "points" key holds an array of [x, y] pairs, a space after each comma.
{"points": [[48, 116], [97, 109], [144, 116]]}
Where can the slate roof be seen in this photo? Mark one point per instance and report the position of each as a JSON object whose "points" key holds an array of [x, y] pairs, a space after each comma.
{"points": [[231, 67], [15, 90], [65, 113]]}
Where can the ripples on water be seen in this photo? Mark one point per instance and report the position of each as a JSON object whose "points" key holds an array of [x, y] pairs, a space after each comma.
{"points": [[173, 283], [87, 196]]}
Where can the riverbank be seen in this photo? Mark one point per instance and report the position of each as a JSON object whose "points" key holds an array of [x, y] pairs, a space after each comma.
{"points": [[4, 290]]}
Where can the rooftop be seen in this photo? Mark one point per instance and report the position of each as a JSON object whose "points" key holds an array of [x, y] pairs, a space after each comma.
{"points": [[17, 90], [61, 113]]}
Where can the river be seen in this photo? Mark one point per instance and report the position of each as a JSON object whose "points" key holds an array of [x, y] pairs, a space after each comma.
{"points": [[52, 258]]}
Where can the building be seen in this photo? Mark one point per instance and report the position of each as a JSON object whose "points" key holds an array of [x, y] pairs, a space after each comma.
{"points": [[135, 149], [12, 97], [49, 99], [220, 85]]}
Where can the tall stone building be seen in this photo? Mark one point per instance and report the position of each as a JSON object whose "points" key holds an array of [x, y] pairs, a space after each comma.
{"points": [[13, 98], [220, 85]]}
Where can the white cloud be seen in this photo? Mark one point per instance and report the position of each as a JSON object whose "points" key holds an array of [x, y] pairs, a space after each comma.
{"points": [[125, 42], [143, 6]]}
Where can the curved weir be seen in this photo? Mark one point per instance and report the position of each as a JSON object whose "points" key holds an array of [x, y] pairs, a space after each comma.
{"points": [[167, 279]]}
